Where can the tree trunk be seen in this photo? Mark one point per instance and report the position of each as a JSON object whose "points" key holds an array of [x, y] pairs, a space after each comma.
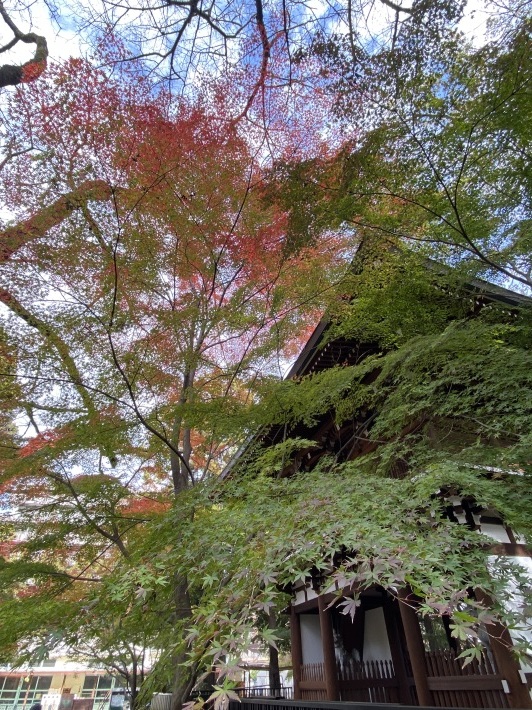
{"points": [[273, 668], [133, 685], [273, 672], [184, 676]]}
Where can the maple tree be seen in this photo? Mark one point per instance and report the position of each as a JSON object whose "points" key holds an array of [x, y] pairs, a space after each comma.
{"points": [[444, 394], [154, 275], [147, 290], [440, 160]]}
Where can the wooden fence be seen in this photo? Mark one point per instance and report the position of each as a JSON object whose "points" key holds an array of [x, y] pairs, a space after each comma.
{"points": [[312, 684], [369, 681], [264, 691], [453, 685], [269, 704], [476, 685]]}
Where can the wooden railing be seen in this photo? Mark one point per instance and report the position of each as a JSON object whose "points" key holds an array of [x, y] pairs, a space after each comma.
{"points": [[369, 681], [265, 691], [452, 685], [312, 683], [476, 685], [268, 704], [256, 704]]}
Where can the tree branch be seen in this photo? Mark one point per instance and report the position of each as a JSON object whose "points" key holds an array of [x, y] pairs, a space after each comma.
{"points": [[15, 237], [56, 342], [397, 8], [12, 74]]}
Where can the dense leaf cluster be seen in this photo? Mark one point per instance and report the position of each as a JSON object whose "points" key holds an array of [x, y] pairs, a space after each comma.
{"points": [[452, 401]]}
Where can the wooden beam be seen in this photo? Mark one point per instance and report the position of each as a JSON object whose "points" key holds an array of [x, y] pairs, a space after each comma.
{"points": [[507, 665], [511, 549], [297, 651], [416, 649], [466, 682], [390, 617], [329, 657]]}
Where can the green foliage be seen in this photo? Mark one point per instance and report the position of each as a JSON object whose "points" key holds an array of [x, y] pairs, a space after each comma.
{"points": [[272, 460], [452, 400], [446, 392], [396, 295], [255, 536], [306, 400], [441, 159], [157, 363]]}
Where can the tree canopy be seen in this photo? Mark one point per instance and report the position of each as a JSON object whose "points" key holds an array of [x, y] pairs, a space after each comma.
{"points": [[163, 256], [432, 398], [147, 292]]}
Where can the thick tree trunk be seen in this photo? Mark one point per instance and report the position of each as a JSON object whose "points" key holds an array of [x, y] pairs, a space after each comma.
{"points": [[182, 682], [274, 673], [184, 676]]}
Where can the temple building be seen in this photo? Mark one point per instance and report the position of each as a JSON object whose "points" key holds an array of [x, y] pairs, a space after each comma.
{"points": [[388, 653]]}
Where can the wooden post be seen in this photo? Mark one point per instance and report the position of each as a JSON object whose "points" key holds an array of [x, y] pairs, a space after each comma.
{"points": [[501, 646], [390, 617], [329, 657], [416, 650], [297, 651]]}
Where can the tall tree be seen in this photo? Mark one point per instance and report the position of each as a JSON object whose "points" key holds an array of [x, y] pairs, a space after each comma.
{"points": [[147, 289], [151, 276]]}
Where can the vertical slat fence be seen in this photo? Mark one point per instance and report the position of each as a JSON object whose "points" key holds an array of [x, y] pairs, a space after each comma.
{"points": [[269, 704], [476, 685], [313, 681]]}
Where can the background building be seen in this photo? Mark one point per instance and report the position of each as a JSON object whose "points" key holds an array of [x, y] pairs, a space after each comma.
{"points": [[59, 684]]}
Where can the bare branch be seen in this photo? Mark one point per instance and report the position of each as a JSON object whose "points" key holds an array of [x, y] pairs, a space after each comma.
{"points": [[12, 74], [396, 7]]}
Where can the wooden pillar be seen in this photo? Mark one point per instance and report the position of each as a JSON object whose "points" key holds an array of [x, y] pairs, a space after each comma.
{"points": [[501, 646], [329, 657], [297, 651], [396, 649], [416, 649]]}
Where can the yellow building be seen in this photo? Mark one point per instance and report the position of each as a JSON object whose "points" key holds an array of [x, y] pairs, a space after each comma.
{"points": [[59, 684]]}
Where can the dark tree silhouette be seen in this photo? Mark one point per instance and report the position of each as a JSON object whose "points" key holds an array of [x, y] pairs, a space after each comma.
{"points": [[13, 74]]}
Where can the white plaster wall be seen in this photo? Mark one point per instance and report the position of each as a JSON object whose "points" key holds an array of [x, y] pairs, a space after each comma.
{"points": [[311, 638], [376, 644], [497, 532], [304, 593], [300, 596]]}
